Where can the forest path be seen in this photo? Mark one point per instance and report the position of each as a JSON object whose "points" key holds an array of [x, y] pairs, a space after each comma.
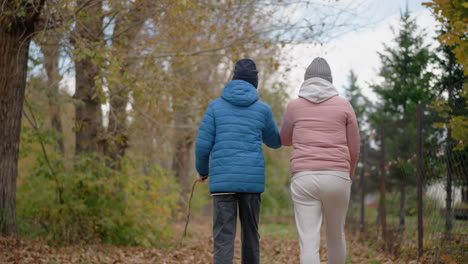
{"points": [[279, 245]]}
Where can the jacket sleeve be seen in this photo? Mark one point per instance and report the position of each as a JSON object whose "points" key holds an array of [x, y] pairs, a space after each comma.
{"points": [[353, 139], [270, 133], [204, 142], [287, 127]]}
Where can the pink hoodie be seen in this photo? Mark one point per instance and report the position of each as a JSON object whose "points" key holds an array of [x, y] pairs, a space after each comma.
{"points": [[322, 128]]}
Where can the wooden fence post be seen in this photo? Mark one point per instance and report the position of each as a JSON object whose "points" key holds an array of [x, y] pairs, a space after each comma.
{"points": [[362, 188], [419, 157], [383, 214]]}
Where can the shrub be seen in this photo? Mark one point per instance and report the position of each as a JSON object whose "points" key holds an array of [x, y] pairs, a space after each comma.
{"points": [[276, 200], [92, 202]]}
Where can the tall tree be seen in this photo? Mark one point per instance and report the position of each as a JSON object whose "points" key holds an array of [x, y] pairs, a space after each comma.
{"points": [[216, 35], [362, 107], [454, 15], [87, 39], [406, 84], [123, 50], [18, 20], [49, 42], [106, 56], [361, 104], [450, 109]]}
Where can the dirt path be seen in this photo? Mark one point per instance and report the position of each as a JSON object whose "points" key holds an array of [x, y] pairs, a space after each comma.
{"points": [[278, 246]]}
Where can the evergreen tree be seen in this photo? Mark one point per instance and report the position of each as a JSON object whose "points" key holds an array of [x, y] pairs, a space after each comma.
{"points": [[362, 107], [360, 102], [406, 84]]}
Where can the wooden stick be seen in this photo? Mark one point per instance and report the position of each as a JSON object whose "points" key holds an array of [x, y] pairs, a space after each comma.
{"points": [[187, 220]]}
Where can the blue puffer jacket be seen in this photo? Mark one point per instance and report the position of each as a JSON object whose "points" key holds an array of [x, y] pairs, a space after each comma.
{"points": [[230, 140]]}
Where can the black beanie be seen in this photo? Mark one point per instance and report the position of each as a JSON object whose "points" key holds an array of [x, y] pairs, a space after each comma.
{"points": [[246, 70]]}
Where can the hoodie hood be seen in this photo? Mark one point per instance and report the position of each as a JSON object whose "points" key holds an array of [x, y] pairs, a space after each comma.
{"points": [[240, 93], [317, 90]]}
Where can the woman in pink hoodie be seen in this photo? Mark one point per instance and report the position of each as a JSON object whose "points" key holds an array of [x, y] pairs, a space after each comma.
{"points": [[322, 128]]}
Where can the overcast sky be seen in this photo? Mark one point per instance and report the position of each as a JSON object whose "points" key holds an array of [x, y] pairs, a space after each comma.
{"points": [[358, 49]]}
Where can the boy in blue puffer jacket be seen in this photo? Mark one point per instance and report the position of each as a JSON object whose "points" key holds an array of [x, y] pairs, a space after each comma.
{"points": [[229, 149]]}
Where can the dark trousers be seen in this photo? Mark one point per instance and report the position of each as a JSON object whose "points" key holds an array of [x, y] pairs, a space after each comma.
{"points": [[224, 227]]}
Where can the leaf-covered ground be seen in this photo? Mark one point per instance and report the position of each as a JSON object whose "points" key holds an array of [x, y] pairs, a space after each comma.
{"points": [[278, 245]]}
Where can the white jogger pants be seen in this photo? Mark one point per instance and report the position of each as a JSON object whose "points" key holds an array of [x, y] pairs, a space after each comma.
{"points": [[315, 194]]}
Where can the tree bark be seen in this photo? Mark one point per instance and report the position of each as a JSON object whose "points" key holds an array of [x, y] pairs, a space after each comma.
{"points": [[362, 188], [420, 175], [88, 119], [402, 206], [448, 188], [182, 163], [51, 50], [125, 31], [464, 198], [449, 181], [382, 205], [117, 135], [15, 38]]}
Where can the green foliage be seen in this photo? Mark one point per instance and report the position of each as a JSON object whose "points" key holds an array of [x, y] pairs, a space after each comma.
{"points": [[280, 231], [85, 200], [276, 199], [201, 200], [92, 202], [430, 206], [362, 107], [406, 84], [404, 69], [453, 16], [67, 199], [276, 96], [453, 110], [361, 104]]}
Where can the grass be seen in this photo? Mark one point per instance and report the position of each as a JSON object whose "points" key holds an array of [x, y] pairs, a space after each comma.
{"points": [[405, 244], [280, 231]]}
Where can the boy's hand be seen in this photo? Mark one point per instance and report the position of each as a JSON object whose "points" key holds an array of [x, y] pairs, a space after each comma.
{"points": [[202, 179]]}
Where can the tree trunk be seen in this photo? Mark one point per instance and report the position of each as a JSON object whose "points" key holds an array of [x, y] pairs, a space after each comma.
{"points": [[362, 189], [50, 49], [88, 118], [117, 137], [383, 202], [15, 38], [464, 198], [182, 163], [402, 206], [448, 188], [448, 185], [125, 31]]}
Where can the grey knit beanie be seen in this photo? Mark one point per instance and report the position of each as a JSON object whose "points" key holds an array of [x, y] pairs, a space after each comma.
{"points": [[319, 68]]}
